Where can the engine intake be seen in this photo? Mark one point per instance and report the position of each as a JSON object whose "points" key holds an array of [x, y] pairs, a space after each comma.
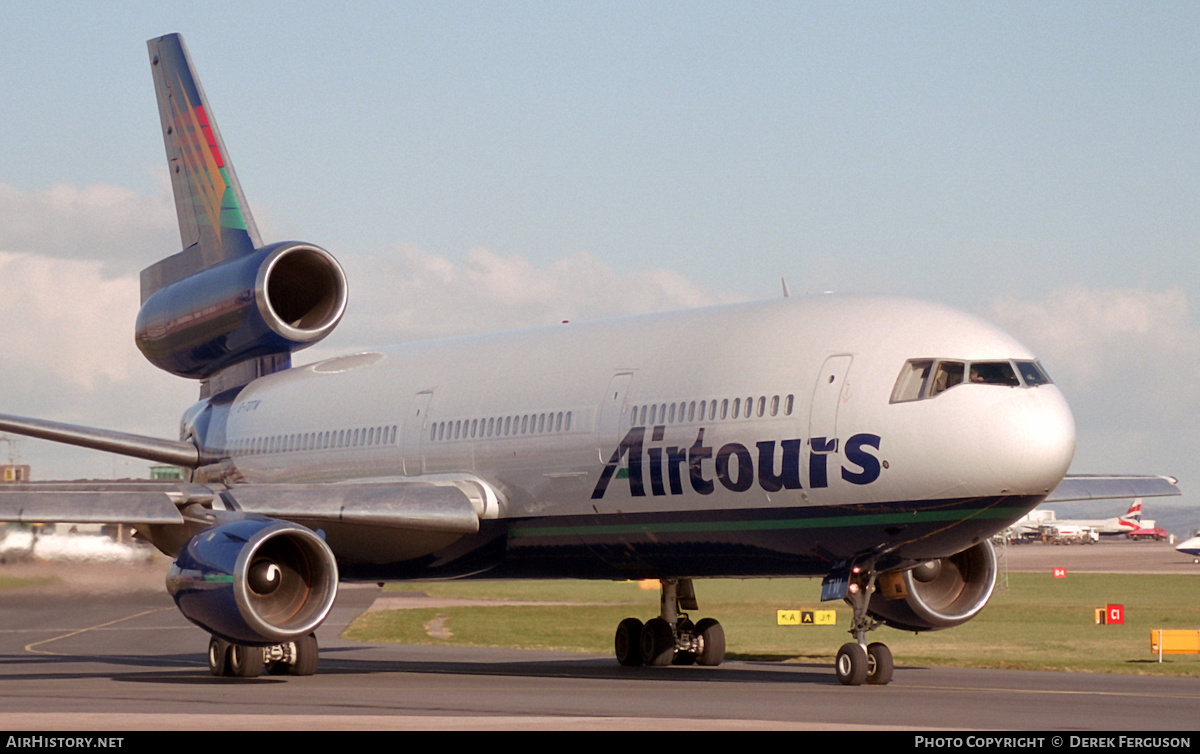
{"points": [[278, 299], [942, 593], [255, 580]]}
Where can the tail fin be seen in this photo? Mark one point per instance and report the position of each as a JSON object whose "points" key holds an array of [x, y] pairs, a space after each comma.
{"points": [[225, 310], [1133, 517], [1135, 510], [215, 223]]}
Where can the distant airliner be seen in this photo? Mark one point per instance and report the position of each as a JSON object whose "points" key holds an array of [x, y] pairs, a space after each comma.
{"points": [[1117, 525], [874, 442], [1190, 547]]}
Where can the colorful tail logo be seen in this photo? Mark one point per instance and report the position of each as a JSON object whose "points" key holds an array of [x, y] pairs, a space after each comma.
{"points": [[1133, 517], [212, 210]]}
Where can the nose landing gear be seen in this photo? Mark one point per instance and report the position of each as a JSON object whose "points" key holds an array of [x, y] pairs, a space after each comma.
{"points": [[858, 662]]}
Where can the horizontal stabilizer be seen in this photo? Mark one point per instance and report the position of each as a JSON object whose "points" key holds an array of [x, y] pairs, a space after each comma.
{"points": [[98, 502], [1108, 487], [402, 505], [174, 452]]}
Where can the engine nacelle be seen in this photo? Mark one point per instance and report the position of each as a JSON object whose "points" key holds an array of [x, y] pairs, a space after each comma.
{"points": [[255, 581], [942, 593], [277, 300]]}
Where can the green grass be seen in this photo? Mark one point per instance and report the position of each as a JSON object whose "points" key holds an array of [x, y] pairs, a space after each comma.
{"points": [[1038, 622]]}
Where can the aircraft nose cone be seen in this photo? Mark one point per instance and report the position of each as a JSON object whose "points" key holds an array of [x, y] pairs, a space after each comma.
{"points": [[1029, 439]]}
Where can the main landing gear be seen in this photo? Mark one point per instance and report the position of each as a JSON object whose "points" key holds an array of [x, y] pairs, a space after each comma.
{"points": [[858, 662], [671, 638], [297, 657]]}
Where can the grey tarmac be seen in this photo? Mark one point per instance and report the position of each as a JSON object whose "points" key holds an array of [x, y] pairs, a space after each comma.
{"points": [[105, 649]]}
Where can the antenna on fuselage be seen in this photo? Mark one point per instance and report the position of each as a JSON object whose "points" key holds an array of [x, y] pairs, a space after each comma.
{"points": [[785, 288]]}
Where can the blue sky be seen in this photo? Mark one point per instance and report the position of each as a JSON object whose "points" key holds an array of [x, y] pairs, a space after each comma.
{"points": [[477, 165]]}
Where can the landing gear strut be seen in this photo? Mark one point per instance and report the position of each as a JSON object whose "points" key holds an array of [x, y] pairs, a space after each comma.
{"points": [[858, 662], [671, 638], [297, 657]]}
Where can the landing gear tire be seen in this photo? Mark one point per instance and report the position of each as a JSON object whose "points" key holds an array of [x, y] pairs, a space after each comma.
{"points": [[658, 643], [218, 657], [712, 642], [879, 664], [245, 662], [307, 654], [851, 664], [628, 642]]}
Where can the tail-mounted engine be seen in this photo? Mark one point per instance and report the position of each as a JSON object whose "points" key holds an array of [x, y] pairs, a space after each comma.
{"points": [[276, 300], [255, 581], [941, 593]]}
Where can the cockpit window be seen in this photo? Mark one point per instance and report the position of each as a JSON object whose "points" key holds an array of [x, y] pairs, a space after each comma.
{"points": [[947, 375], [911, 380], [928, 378], [993, 373], [1032, 373]]}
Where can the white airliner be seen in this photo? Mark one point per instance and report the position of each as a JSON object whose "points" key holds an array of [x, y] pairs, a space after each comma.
{"points": [[1117, 525], [1190, 547], [874, 442]]}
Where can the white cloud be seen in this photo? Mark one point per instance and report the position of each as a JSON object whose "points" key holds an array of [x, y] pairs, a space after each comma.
{"points": [[408, 294], [110, 224], [69, 293], [1089, 329], [1128, 361], [64, 319]]}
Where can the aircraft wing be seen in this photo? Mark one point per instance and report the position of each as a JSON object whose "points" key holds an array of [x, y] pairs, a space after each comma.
{"points": [[1107, 487], [403, 505], [99, 502]]}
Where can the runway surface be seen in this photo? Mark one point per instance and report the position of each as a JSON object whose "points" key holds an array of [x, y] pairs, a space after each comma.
{"points": [[105, 648], [1106, 556]]}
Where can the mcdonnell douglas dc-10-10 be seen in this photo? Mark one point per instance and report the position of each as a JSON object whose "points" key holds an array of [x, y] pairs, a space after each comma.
{"points": [[875, 442]]}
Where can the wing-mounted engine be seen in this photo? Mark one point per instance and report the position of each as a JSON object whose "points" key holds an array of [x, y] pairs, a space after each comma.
{"points": [[938, 594], [255, 581], [277, 300]]}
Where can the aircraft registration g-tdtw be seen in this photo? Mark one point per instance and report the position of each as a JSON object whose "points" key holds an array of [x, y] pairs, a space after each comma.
{"points": [[875, 442]]}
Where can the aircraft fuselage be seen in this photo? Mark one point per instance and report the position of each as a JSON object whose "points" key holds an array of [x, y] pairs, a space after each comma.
{"points": [[744, 440]]}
